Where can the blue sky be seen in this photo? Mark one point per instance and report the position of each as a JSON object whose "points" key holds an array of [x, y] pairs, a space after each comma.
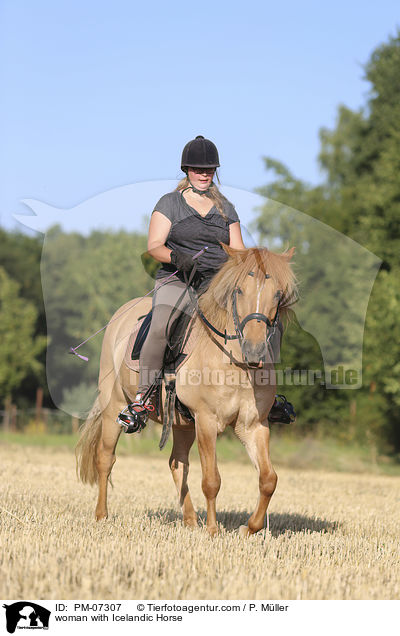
{"points": [[98, 95]]}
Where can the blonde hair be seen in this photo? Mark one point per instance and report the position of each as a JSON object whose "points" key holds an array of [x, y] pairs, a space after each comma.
{"points": [[213, 193]]}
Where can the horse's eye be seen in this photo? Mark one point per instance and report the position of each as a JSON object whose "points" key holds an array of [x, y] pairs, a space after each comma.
{"points": [[266, 275]]}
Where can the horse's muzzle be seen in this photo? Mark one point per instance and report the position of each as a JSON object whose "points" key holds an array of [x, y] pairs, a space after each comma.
{"points": [[253, 354]]}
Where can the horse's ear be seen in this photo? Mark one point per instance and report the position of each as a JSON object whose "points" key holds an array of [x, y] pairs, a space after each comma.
{"points": [[226, 248], [231, 251], [289, 253]]}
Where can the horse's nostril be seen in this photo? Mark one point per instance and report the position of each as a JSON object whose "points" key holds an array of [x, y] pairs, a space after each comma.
{"points": [[254, 353]]}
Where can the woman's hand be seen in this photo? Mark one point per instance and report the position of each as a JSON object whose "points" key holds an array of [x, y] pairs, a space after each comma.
{"points": [[182, 261]]}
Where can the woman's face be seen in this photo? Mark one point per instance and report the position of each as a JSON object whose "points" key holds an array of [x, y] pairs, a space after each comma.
{"points": [[201, 178]]}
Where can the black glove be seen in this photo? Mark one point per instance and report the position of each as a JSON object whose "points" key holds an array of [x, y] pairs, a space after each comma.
{"points": [[182, 261]]}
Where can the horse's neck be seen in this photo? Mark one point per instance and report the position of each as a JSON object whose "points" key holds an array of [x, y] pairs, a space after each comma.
{"points": [[213, 349]]}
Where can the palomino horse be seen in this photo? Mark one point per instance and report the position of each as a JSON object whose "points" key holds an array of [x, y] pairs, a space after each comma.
{"points": [[228, 380]]}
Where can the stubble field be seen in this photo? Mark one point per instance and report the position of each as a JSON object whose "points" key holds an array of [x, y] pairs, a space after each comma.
{"points": [[332, 535]]}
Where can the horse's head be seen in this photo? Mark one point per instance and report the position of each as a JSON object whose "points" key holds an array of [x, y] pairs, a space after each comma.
{"points": [[254, 286]]}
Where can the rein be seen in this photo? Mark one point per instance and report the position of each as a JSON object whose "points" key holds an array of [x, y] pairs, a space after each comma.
{"points": [[223, 335]]}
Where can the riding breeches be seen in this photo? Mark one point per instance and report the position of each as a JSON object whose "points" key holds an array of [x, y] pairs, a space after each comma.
{"points": [[169, 300]]}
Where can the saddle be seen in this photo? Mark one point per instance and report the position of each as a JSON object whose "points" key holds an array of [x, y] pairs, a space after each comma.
{"points": [[179, 333], [142, 335]]}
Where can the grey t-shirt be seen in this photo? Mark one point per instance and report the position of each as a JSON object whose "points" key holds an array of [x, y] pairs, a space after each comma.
{"points": [[190, 231]]}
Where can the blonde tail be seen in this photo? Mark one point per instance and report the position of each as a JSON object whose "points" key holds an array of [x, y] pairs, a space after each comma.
{"points": [[85, 452]]}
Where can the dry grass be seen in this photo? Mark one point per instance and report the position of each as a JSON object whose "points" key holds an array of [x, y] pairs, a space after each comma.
{"points": [[333, 536]]}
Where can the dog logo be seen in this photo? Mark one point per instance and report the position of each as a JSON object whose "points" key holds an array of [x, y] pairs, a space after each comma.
{"points": [[26, 615]]}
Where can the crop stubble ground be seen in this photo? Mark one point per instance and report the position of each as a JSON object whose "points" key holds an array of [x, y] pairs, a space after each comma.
{"points": [[332, 535]]}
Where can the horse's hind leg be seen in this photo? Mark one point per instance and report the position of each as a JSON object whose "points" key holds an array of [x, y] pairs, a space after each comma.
{"points": [[183, 438], [105, 458], [256, 442]]}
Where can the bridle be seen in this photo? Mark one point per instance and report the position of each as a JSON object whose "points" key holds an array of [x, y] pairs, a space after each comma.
{"points": [[271, 326], [239, 325]]}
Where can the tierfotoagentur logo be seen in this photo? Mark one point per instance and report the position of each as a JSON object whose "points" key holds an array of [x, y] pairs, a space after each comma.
{"points": [[26, 615], [335, 277]]}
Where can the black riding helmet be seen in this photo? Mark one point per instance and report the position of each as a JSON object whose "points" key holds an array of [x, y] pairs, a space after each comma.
{"points": [[200, 153]]}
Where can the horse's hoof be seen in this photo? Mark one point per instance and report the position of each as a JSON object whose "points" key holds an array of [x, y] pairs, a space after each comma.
{"points": [[212, 531], [101, 516], [244, 531], [190, 523]]}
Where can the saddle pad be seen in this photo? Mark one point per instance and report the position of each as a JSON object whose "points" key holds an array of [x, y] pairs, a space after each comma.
{"points": [[133, 364], [189, 343]]}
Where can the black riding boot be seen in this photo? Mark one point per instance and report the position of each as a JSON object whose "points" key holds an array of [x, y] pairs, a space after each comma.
{"points": [[282, 411]]}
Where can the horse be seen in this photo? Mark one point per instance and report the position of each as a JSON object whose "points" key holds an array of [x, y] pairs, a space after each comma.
{"points": [[227, 380]]}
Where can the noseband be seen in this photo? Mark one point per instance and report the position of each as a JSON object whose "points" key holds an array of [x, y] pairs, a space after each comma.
{"points": [[240, 325]]}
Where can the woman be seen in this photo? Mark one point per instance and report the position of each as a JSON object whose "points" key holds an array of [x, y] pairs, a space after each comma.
{"points": [[194, 216]]}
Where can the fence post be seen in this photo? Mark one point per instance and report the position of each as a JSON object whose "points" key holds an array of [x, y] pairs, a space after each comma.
{"points": [[13, 426], [45, 418], [7, 409], [39, 403]]}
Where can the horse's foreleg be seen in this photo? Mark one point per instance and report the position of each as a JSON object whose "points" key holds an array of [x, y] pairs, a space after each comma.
{"points": [[179, 465], [257, 445], [105, 459], [206, 431]]}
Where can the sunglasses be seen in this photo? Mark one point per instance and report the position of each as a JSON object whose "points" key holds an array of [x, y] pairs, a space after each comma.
{"points": [[203, 170]]}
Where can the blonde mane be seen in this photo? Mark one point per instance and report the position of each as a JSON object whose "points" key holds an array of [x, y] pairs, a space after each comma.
{"points": [[216, 302]]}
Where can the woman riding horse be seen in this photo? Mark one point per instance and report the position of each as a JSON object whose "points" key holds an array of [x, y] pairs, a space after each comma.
{"points": [[194, 216]]}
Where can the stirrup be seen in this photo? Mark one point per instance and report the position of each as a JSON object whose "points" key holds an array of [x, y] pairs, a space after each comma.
{"points": [[134, 417], [282, 411]]}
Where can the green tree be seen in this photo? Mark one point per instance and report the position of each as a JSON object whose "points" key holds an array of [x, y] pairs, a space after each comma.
{"points": [[19, 349], [20, 257]]}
